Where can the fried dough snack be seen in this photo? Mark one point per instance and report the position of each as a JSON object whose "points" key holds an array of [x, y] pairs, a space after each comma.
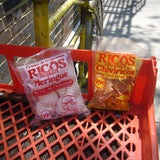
{"points": [[114, 78]]}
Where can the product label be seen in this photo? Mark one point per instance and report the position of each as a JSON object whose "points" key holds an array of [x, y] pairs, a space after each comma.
{"points": [[115, 66], [46, 114], [100, 82], [52, 88], [46, 67], [122, 100], [49, 75], [68, 104]]}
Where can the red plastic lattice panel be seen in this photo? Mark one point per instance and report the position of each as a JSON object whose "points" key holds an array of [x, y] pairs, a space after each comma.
{"points": [[101, 135]]}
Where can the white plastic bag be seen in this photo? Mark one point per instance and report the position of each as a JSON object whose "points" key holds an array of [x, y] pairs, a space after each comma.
{"points": [[50, 84]]}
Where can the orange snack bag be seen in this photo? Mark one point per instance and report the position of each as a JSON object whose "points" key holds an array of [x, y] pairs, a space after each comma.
{"points": [[114, 77]]}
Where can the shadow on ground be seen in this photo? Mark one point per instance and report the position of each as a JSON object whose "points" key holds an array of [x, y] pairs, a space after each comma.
{"points": [[118, 15]]}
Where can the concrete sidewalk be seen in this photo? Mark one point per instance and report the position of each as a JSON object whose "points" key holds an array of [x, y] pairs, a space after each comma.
{"points": [[138, 21]]}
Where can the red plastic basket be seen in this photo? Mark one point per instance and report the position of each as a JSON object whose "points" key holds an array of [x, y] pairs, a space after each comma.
{"points": [[101, 135]]}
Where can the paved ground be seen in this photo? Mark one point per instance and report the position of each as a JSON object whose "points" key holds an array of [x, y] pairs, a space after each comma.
{"points": [[138, 21]]}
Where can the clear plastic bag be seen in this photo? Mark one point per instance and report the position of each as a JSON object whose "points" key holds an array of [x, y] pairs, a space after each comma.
{"points": [[119, 45], [50, 84], [115, 70]]}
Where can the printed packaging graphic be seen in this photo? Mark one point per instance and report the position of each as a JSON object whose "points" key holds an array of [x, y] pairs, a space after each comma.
{"points": [[114, 77], [50, 84]]}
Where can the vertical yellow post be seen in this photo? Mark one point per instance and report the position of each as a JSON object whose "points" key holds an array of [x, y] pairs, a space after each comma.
{"points": [[81, 78], [82, 38], [41, 22]]}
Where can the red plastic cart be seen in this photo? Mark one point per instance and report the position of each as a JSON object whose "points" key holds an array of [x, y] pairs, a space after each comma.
{"points": [[100, 135]]}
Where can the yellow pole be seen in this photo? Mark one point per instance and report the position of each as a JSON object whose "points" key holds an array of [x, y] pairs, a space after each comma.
{"points": [[82, 38], [98, 24], [60, 12], [76, 36], [41, 22], [81, 78]]}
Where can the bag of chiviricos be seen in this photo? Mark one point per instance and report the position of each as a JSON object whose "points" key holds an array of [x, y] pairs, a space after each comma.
{"points": [[50, 84], [114, 77]]}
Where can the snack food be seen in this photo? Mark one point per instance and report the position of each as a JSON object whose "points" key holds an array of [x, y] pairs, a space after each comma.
{"points": [[50, 84], [114, 78]]}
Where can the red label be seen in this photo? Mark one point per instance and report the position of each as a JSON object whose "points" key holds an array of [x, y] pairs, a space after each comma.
{"points": [[46, 114], [52, 88], [115, 66], [46, 67], [68, 104], [117, 59]]}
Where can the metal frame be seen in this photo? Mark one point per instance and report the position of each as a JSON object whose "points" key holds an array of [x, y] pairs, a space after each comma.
{"points": [[43, 24]]}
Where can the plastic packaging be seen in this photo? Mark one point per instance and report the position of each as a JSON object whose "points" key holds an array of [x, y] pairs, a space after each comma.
{"points": [[120, 45], [114, 76], [50, 84]]}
